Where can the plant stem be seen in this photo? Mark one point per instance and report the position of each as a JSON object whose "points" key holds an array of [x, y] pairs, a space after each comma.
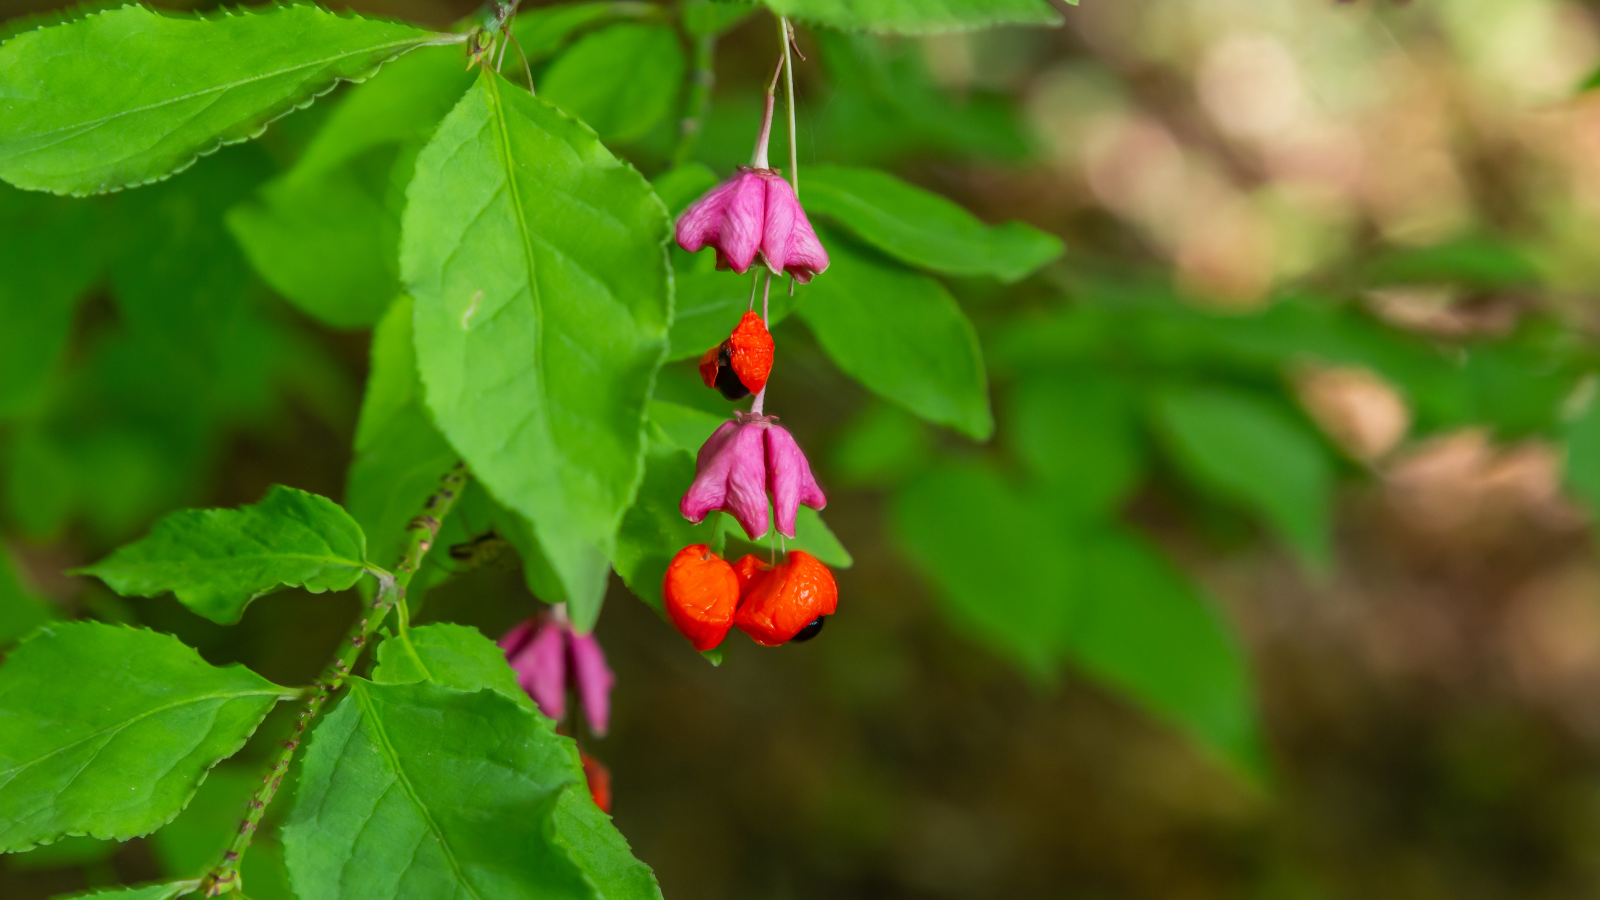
{"points": [[787, 36], [419, 534]]}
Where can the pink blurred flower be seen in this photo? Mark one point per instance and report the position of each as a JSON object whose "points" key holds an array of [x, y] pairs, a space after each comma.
{"points": [[546, 653], [754, 211], [743, 463]]}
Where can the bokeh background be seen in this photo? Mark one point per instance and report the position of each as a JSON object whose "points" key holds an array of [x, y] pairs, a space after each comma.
{"points": [[1426, 685]]}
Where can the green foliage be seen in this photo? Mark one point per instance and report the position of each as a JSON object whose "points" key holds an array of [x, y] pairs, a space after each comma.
{"points": [[1583, 455], [328, 242], [541, 318], [399, 454], [123, 758], [1040, 591], [20, 611], [455, 656], [51, 260], [1244, 450], [882, 445], [1002, 565], [901, 335], [541, 32], [621, 81], [413, 791], [218, 560], [710, 304], [326, 234], [916, 16], [923, 229], [130, 96], [1079, 434]]}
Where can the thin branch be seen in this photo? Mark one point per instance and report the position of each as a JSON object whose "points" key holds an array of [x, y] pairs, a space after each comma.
{"points": [[420, 534]]}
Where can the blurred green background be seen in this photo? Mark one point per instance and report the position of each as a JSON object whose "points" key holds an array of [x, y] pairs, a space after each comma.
{"points": [[1277, 579]]}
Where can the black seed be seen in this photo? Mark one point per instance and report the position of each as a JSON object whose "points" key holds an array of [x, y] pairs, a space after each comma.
{"points": [[729, 384], [812, 629]]}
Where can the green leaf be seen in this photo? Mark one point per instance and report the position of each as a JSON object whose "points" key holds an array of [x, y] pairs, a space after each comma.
{"points": [[326, 241], [326, 235], [165, 891], [916, 16], [399, 455], [218, 560], [541, 318], [1242, 449], [684, 425], [883, 445], [1001, 565], [51, 260], [456, 656], [1583, 456], [1079, 434], [20, 611], [413, 792], [621, 80], [402, 104], [124, 758], [922, 229], [543, 31], [1041, 593], [130, 96], [69, 852], [705, 18], [901, 335], [1140, 626]]}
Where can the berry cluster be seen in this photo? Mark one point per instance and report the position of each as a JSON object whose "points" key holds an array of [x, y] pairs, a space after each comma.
{"points": [[752, 217], [704, 597]]}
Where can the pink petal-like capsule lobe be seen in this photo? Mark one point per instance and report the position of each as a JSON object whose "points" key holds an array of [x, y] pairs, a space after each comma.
{"points": [[789, 479], [730, 474], [788, 242], [729, 218], [594, 681], [537, 651]]}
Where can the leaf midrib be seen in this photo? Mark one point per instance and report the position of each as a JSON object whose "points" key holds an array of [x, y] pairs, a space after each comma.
{"points": [[120, 726], [393, 758], [91, 124], [525, 237]]}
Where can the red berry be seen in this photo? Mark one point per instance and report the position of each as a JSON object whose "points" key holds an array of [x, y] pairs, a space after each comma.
{"points": [[599, 778], [750, 570], [700, 593], [752, 349], [790, 598]]}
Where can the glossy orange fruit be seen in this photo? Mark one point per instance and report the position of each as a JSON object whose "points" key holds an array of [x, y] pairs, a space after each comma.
{"points": [[751, 352], [750, 569], [794, 595], [699, 594]]}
